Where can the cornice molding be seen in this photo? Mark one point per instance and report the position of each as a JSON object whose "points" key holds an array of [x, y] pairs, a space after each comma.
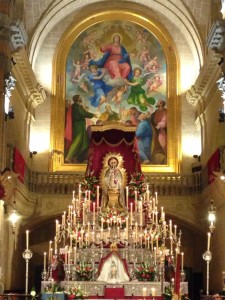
{"points": [[33, 91], [207, 78]]}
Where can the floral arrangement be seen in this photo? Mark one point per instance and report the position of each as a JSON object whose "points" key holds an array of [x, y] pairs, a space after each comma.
{"points": [[137, 183], [90, 183], [168, 294], [111, 216], [77, 292], [145, 272], [84, 271], [52, 288]]}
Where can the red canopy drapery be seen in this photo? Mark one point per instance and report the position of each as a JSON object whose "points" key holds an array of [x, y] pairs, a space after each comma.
{"points": [[117, 138]]}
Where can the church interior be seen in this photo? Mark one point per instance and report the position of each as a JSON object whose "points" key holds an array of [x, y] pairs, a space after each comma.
{"points": [[112, 139]]}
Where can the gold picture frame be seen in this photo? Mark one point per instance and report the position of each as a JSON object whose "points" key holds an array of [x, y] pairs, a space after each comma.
{"points": [[59, 90]]}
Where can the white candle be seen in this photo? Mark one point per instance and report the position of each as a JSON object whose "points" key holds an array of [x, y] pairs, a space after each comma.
{"points": [[141, 214], [155, 255], [171, 246], [94, 213], [97, 196], [153, 291], [50, 258], [49, 251], [56, 227], [144, 291], [147, 195], [170, 227], [156, 198], [131, 214], [27, 239], [75, 255], [208, 245], [44, 261], [175, 232], [182, 261], [68, 258], [127, 195], [55, 239]]}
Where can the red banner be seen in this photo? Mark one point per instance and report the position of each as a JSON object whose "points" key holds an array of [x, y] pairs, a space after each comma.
{"points": [[19, 164], [213, 164]]}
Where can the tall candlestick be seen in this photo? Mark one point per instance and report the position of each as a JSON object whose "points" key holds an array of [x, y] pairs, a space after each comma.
{"points": [[208, 244], [27, 239]]}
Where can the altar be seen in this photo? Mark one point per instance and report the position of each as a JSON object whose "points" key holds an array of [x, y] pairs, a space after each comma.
{"points": [[127, 290]]}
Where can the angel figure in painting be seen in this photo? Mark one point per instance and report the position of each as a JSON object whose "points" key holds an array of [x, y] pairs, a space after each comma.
{"points": [[137, 94], [101, 89], [113, 180], [154, 83]]}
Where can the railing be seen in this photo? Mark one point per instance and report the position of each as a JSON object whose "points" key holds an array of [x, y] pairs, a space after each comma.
{"points": [[164, 184]]}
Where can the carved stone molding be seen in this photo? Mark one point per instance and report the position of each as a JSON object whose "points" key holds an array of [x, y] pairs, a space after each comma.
{"points": [[216, 37], [13, 31], [34, 94], [207, 76], [19, 36]]}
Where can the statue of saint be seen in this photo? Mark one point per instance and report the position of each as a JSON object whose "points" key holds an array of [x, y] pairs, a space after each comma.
{"points": [[113, 270], [113, 178]]}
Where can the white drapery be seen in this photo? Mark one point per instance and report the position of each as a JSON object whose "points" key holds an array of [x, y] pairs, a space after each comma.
{"points": [[108, 271]]}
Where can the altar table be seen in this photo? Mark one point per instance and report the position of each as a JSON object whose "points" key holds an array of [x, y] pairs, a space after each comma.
{"points": [[132, 289]]}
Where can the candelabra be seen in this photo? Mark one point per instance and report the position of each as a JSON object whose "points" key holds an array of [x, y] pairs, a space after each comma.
{"points": [[139, 230], [27, 255]]}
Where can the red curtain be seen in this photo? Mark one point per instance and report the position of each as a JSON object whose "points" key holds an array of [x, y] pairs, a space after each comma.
{"points": [[213, 164], [19, 164], [113, 140]]}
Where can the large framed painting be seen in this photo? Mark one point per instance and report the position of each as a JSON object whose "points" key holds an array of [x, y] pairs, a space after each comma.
{"points": [[116, 71]]}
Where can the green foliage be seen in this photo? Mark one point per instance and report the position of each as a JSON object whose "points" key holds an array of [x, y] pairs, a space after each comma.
{"points": [[90, 183], [137, 183]]}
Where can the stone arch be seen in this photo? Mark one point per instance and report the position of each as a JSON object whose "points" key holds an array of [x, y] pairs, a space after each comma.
{"points": [[175, 16]]}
